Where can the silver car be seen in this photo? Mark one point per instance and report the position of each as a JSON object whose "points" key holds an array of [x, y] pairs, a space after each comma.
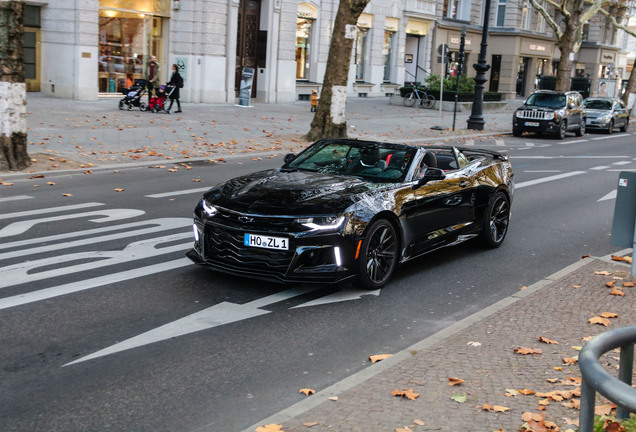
{"points": [[606, 113]]}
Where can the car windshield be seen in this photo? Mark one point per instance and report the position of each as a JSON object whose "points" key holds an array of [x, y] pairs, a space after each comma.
{"points": [[546, 100], [599, 104], [376, 162]]}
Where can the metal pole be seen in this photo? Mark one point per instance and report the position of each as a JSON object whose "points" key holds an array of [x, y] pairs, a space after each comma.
{"points": [[476, 119], [634, 249], [625, 374], [586, 413]]}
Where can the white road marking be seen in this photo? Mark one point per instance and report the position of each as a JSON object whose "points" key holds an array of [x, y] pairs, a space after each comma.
{"points": [[73, 287], [621, 163], [500, 142], [21, 227], [16, 198], [609, 137], [572, 142], [214, 316], [543, 171], [599, 168], [145, 227], [610, 196], [181, 192], [26, 272], [547, 179], [340, 296], [49, 210]]}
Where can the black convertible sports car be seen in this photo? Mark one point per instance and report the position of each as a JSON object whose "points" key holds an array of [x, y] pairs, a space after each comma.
{"points": [[346, 209]]}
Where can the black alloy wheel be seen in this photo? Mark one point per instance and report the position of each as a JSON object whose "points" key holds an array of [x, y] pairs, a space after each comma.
{"points": [[496, 220], [378, 255], [563, 128]]}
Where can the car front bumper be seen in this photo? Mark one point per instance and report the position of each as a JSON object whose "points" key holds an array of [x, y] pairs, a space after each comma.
{"points": [[534, 125]]}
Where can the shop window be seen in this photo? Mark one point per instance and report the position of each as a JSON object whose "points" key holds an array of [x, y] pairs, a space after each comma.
{"points": [[360, 52], [303, 47], [501, 13], [386, 54]]}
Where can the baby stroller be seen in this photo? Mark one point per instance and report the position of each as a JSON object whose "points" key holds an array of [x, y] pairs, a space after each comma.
{"points": [[133, 96], [157, 102]]}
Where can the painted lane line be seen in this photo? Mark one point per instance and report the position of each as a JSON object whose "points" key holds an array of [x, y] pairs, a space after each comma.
{"points": [[573, 142], [176, 193], [610, 196], [572, 157], [609, 137], [500, 142], [529, 144], [543, 171], [599, 168], [27, 272], [621, 163], [21, 227], [548, 179], [346, 294], [49, 210], [148, 227], [214, 316], [621, 170], [16, 198], [73, 287]]}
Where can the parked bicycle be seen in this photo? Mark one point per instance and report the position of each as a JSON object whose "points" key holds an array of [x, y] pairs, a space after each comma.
{"points": [[420, 96]]}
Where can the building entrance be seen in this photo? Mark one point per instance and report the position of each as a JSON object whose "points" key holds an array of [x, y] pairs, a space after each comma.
{"points": [[247, 45]]}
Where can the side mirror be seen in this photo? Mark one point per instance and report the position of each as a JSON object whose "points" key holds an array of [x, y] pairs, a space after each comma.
{"points": [[431, 174], [289, 157], [571, 105]]}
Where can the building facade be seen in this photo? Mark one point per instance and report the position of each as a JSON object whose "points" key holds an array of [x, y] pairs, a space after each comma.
{"points": [[86, 49]]}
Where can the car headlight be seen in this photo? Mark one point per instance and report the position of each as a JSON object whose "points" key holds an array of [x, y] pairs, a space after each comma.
{"points": [[558, 115], [322, 222], [209, 209], [604, 118]]}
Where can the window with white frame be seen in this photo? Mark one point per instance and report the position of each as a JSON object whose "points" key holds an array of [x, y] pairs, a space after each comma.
{"points": [[525, 15], [360, 52], [501, 13], [457, 9], [304, 25], [540, 27], [387, 46]]}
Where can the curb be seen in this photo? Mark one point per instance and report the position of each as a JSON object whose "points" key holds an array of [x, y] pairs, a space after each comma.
{"points": [[369, 372]]}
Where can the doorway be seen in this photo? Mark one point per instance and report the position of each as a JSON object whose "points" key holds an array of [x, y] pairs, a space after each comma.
{"points": [[247, 46], [31, 44]]}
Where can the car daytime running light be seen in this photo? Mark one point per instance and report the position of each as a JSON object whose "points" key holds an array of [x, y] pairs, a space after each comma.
{"points": [[322, 223], [196, 233], [208, 209]]}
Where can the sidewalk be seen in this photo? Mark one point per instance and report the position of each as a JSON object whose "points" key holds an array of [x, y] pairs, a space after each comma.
{"points": [[481, 351], [98, 133]]}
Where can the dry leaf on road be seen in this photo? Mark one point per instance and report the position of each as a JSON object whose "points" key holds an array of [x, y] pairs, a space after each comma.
{"points": [[602, 273], [526, 351], [599, 320], [494, 408], [609, 315], [548, 341], [409, 394], [617, 292], [379, 357], [270, 428], [307, 392], [455, 381]]}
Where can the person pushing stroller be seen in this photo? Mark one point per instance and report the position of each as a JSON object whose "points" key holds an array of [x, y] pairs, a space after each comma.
{"points": [[176, 81]]}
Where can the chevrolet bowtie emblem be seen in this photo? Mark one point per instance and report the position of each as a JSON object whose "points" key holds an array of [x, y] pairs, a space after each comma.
{"points": [[245, 219]]}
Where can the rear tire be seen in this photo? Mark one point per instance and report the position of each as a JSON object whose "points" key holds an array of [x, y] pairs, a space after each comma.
{"points": [[378, 256], [410, 100], [428, 102], [496, 221]]}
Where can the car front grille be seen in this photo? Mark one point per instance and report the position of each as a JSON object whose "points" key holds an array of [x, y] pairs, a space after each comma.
{"points": [[225, 246], [535, 115], [243, 221]]}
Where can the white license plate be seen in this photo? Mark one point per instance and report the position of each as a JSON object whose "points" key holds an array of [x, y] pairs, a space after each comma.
{"points": [[535, 124], [266, 242]]}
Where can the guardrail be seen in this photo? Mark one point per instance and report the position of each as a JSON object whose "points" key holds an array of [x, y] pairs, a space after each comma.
{"points": [[596, 379]]}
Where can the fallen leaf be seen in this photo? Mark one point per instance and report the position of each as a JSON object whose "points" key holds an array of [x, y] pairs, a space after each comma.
{"points": [[528, 416], [548, 341], [460, 398], [409, 394], [526, 392], [602, 273], [196, 180], [7, 184], [118, 190], [569, 361], [526, 351], [610, 284], [418, 422], [604, 409], [455, 381], [623, 258], [404, 429], [577, 347], [307, 392], [617, 292], [609, 315], [494, 408], [571, 422], [612, 426], [628, 284], [67, 194], [333, 398], [599, 320], [379, 357], [269, 428], [310, 424]]}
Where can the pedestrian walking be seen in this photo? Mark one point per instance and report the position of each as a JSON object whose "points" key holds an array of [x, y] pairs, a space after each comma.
{"points": [[153, 76], [177, 81]]}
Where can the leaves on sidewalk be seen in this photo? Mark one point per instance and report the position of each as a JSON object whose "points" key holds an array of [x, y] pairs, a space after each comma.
{"points": [[270, 428], [494, 408], [599, 320], [379, 357], [528, 351], [409, 394], [548, 341], [626, 259], [459, 397], [455, 381]]}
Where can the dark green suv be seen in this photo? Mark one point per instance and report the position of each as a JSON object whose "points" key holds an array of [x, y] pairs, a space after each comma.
{"points": [[551, 112]]}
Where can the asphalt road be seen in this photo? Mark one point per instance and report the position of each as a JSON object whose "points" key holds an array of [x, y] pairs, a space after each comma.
{"points": [[107, 327]]}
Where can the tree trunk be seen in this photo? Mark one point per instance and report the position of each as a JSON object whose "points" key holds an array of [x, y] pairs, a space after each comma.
{"points": [[566, 46], [329, 120], [13, 137], [631, 85]]}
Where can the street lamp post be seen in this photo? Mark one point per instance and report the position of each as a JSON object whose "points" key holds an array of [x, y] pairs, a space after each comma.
{"points": [[476, 119]]}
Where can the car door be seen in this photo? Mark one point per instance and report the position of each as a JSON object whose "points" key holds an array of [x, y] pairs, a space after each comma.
{"points": [[621, 113], [439, 210], [575, 110]]}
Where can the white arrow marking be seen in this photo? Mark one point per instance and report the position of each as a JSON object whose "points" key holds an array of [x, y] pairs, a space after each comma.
{"points": [[49, 210], [147, 227], [214, 316], [16, 198], [86, 284], [340, 296], [609, 196], [16, 228]]}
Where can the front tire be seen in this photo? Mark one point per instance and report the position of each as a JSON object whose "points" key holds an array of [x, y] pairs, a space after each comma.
{"points": [[410, 100], [496, 221], [581, 130], [610, 127], [121, 104], [563, 128], [625, 126], [378, 256], [428, 102]]}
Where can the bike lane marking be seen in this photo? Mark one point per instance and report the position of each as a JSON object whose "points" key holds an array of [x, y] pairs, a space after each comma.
{"points": [[49, 210]]}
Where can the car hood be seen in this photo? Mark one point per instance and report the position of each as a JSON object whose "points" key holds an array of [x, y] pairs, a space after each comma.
{"points": [[537, 108], [289, 193]]}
